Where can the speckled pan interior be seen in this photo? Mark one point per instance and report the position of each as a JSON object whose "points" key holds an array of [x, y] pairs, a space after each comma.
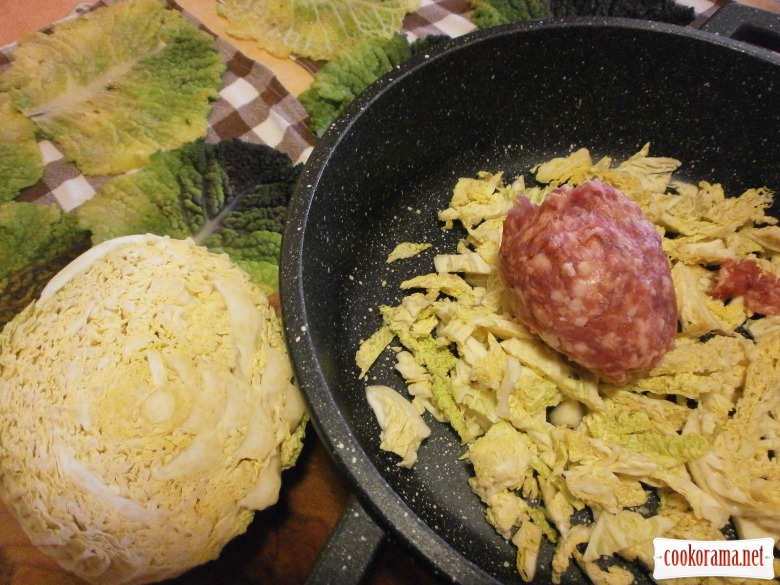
{"points": [[497, 100]]}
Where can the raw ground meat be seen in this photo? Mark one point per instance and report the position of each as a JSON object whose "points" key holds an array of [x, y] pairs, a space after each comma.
{"points": [[586, 272], [758, 287]]}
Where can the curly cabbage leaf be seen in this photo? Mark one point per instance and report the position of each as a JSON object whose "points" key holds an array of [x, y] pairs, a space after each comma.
{"points": [[231, 197], [412, 323], [340, 80], [695, 368], [257, 252], [349, 73], [652, 172], [406, 250], [36, 241], [117, 84], [652, 437], [599, 487], [501, 459], [371, 348], [708, 213], [700, 313], [21, 164], [528, 395], [317, 29], [477, 200], [179, 422], [438, 362], [494, 12], [767, 237], [574, 168]]}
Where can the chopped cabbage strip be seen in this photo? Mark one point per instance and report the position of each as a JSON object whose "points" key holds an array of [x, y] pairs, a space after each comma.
{"points": [[615, 532], [406, 250], [403, 429], [742, 470]]}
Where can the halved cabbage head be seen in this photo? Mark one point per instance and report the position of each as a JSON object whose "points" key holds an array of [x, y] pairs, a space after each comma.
{"points": [[147, 409]]}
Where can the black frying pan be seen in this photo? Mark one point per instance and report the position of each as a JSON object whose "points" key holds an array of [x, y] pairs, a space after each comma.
{"points": [[499, 99]]}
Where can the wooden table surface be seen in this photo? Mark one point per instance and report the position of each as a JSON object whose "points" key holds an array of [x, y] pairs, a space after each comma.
{"points": [[282, 544]]}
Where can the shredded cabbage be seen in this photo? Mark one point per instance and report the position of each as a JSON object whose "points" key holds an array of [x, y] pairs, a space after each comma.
{"points": [[700, 430]]}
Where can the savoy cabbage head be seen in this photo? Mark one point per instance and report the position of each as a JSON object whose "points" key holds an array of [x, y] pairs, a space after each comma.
{"points": [[148, 409]]}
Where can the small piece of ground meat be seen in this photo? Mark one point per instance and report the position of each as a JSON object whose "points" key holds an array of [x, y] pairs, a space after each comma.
{"points": [[758, 287], [586, 272]]}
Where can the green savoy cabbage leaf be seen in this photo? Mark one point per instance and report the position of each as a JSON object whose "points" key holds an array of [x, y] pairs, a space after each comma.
{"points": [[317, 29], [36, 241], [493, 12], [117, 84], [339, 81], [21, 164], [230, 197]]}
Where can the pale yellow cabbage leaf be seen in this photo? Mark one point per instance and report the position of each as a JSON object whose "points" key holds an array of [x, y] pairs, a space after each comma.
{"points": [[117, 84], [406, 250], [317, 29]]}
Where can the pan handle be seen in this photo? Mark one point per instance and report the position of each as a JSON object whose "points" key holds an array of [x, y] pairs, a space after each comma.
{"points": [[351, 549], [746, 23]]}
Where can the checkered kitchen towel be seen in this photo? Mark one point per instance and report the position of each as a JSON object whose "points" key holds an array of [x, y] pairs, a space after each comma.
{"points": [[253, 104]]}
